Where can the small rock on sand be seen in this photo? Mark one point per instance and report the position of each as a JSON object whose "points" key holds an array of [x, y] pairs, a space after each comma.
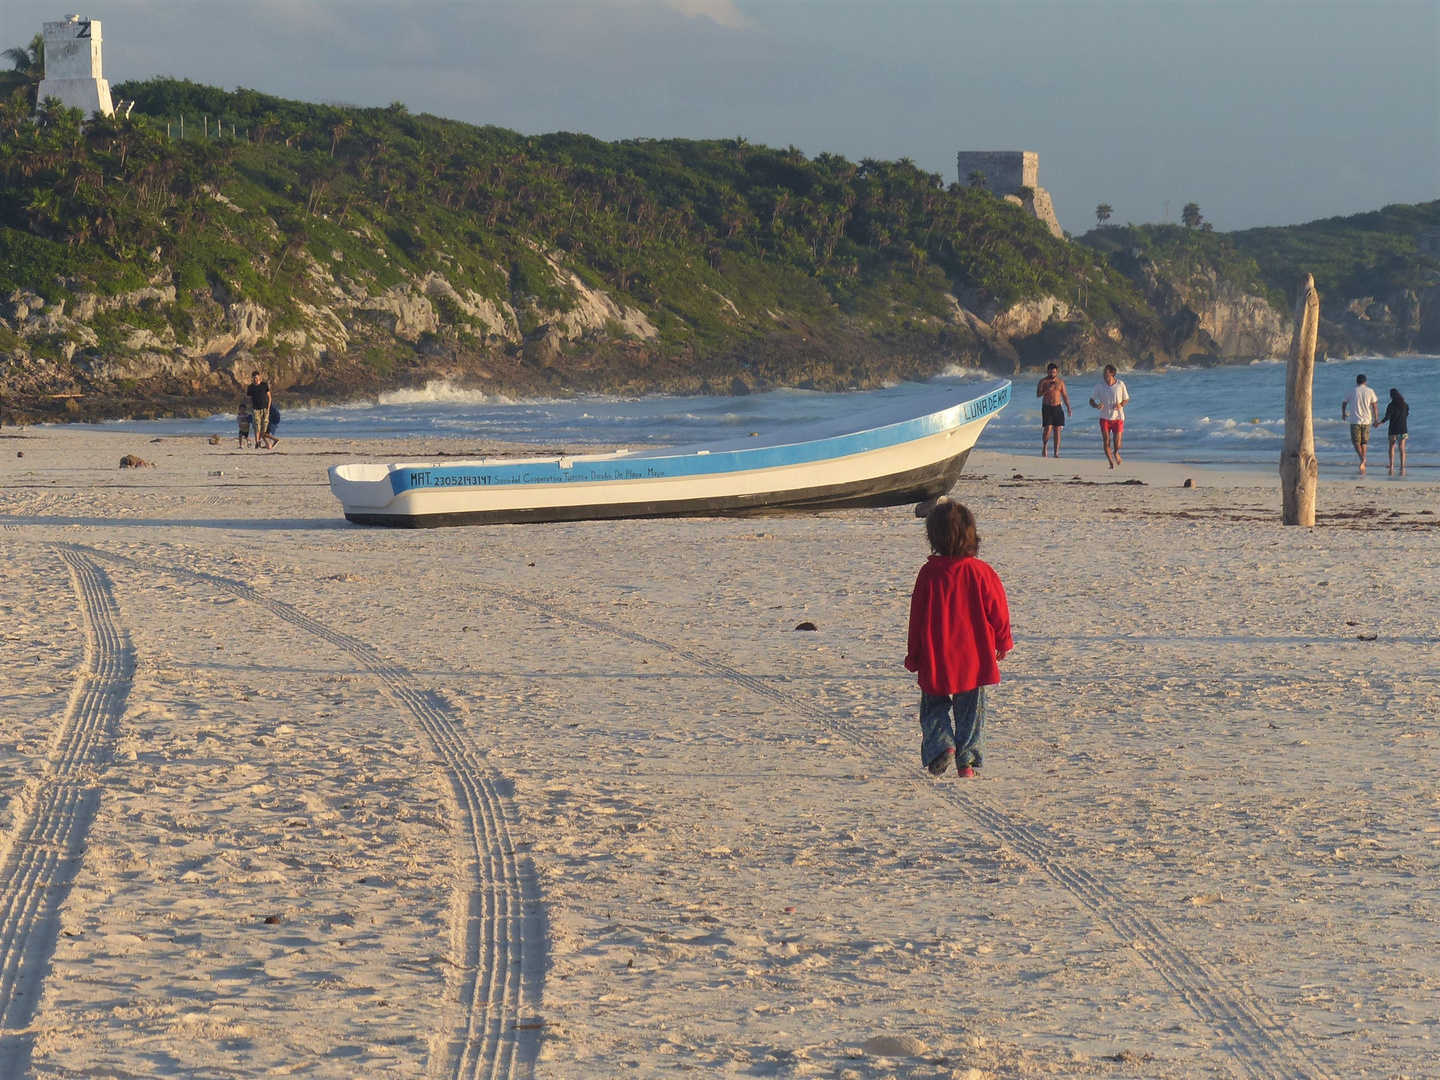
{"points": [[895, 1046], [214, 440], [135, 461], [807, 626]]}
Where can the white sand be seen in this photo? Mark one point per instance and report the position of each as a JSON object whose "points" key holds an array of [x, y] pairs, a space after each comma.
{"points": [[1204, 844]]}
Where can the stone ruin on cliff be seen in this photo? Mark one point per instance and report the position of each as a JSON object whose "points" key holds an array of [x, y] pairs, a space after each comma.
{"points": [[1013, 175], [72, 66]]}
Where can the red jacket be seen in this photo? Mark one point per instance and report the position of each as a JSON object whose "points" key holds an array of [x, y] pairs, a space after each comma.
{"points": [[958, 621]]}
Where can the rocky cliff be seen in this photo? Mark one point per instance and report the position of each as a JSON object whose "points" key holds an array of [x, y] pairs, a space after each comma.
{"points": [[1208, 319], [1405, 320], [157, 350], [1212, 306], [162, 347]]}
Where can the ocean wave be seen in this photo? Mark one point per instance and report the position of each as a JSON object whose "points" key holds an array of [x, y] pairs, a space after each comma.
{"points": [[1230, 422], [442, 392], [1248, 431], [958, 371]]}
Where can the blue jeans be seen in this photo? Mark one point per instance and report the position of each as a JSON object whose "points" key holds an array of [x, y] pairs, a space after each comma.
{"points": [[939, 733]]}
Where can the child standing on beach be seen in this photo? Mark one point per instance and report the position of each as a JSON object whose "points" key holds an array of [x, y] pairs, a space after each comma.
{"points": [[243, 417], [959, 631]]}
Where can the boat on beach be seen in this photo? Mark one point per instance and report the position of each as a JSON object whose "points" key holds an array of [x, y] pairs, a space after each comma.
{"points": [[896, 453]]}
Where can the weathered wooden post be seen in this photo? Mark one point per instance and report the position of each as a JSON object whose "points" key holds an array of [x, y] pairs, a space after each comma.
{"points": [[1299, 471]]}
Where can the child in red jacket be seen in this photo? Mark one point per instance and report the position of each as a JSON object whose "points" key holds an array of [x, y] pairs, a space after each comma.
{"points": [[959, 630]]}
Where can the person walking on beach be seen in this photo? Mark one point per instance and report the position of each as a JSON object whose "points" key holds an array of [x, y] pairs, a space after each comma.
{"points": [[959, 632], [1397, 417], [243, 418], [1110, 397], [1363, 408], [259, 394], [1054, 404]]}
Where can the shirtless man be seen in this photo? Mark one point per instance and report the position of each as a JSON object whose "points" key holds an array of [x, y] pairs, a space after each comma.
{"points": [[1052, 393], [1110, 397]]}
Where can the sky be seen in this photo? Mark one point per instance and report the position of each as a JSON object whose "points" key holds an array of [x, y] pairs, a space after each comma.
{"points": [[1265, 112]]}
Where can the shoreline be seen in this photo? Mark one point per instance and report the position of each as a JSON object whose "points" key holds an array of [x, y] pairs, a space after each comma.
{"points": [[412, 447], [1175, 473]]}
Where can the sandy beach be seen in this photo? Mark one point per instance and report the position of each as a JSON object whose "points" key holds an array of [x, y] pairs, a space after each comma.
{"points": [[282, 796]]}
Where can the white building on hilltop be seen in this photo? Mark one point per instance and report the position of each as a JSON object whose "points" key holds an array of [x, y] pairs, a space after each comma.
{"points": [[72, 66]]}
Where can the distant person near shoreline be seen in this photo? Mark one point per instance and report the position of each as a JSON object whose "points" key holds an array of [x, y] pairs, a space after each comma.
{"points": [[1397, 417], [1111, 397], [1055, 403], [1363, 408], [259, 394], [959, 633]]}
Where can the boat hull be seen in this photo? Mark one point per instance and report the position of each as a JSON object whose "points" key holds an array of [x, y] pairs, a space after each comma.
{"points": [[901, 451], [915, 486]]}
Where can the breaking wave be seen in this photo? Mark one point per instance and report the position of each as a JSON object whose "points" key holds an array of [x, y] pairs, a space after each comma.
{"points": [[441, 392]]}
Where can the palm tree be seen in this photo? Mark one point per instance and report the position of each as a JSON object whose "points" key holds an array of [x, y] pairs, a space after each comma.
{"points": [[977, 179], [1103, 212], [1191, 215], [28, 69]]}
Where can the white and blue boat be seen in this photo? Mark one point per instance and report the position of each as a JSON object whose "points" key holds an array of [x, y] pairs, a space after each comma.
{"points": [[902, 452]]}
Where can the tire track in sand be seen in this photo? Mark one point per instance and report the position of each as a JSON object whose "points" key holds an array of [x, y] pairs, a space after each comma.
{"points": [[1260, 1044], [49, 842], [498, 936]]}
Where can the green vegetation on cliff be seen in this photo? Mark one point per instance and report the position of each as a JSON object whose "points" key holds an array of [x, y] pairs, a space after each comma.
{"points": [[1183, 253], [740, 258], [1372, 254], [1378, 292]]}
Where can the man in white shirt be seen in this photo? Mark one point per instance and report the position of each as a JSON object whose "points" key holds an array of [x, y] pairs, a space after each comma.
{"points": [[1364, 410], [1111, 397]]}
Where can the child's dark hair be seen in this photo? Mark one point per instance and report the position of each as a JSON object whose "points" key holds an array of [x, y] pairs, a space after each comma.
{"points": [[951, 529]]}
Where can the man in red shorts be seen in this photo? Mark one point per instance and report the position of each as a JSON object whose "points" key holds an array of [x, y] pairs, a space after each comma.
{"points": [[1110, 397]]}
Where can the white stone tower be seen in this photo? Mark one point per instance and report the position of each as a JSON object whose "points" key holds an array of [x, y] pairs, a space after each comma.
{"points": [[72, 66]]}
